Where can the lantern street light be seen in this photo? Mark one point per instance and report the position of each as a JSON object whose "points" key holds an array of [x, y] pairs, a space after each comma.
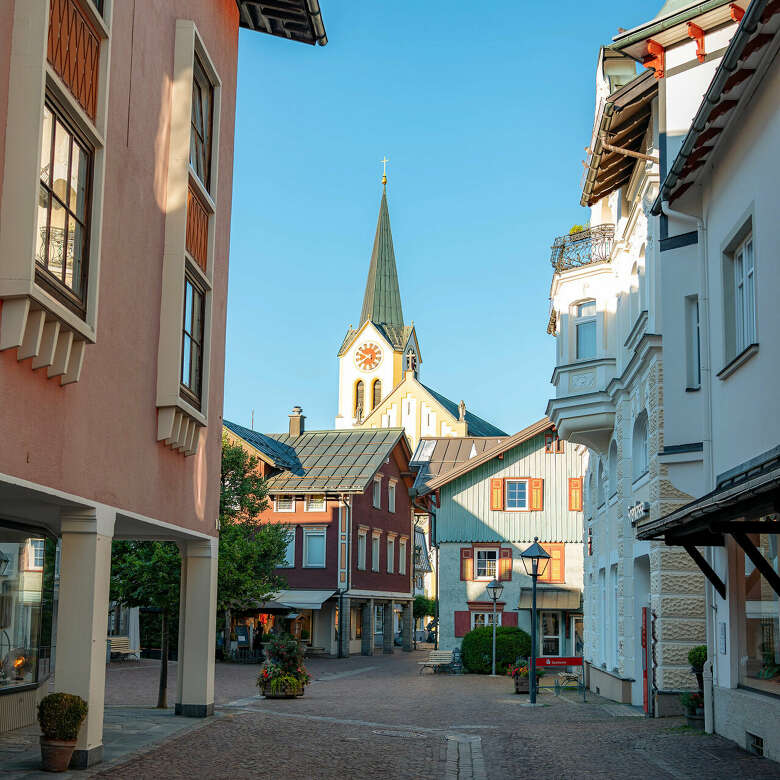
{"points": [[495, 589], [535, 560]]}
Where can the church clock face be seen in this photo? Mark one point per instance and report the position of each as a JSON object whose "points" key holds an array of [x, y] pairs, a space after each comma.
{"points": [[368, 356]]}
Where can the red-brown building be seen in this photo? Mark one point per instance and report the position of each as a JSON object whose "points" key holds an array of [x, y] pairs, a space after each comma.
{"points": [[345, 494]]}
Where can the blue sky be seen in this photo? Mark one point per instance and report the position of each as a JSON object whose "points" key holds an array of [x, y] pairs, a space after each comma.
{"points": [[484, 110]]}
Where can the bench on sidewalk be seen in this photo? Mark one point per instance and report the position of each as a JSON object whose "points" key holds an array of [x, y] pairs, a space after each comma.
{"points": [[437, 660], [308, 651], [120, 645]]}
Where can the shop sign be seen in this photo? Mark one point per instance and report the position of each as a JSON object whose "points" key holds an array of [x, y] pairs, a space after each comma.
{"points": [[562, 661], [638, 511]]}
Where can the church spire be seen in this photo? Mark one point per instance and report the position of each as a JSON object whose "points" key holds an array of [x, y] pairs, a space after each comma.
{"points": [[382, 300]]}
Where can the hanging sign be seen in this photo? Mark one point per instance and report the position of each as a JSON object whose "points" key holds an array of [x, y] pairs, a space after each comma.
{"points": [[638, 511]]}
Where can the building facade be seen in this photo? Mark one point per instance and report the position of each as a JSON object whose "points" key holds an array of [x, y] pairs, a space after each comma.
{"points": [[350, 561], [116, 156]]}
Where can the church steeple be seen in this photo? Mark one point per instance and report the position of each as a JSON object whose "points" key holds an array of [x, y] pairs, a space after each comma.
{"points": [[382, 299]]}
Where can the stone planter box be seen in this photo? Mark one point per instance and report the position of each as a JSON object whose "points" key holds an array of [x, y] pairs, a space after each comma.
{"points": [[288, 692]]}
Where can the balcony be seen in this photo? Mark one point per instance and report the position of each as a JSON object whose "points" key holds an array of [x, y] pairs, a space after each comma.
{"points": [[585, 247]]}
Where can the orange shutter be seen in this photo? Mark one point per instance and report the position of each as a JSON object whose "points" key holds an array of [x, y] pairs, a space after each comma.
{"points": [[575, 494], [555, 568], [505, 563], [537, 494], [497, 494], [466, 563]]}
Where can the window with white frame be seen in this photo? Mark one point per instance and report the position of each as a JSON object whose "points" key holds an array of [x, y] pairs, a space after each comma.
{"points": [[377, 492], [585, 327], [391, 496], [375, 539], [693, 342], [639, 445], [361, 550], [289, 554], [551, 633], [744, 295], [314, 548], [38, 547], [284, 503], [612, 465], [402, 547], [479, 619], [486, 563], [390, 554], [516, 495], [315, 503]]}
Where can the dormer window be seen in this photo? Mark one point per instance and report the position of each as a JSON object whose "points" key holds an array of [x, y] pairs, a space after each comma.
{"points": [[585, 325]]}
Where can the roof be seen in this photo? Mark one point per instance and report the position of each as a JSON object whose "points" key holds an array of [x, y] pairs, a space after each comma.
{"points": [[422, 561], [487, 454], [435, 456], [623, 122], [475, 425], [396, 337], [297, 20], [740, 70], [323, 461]]}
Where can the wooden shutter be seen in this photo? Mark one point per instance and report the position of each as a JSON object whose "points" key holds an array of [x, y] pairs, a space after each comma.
{"points": [[575, 494], [536, 487], [462, 623], [466, 563], [497, 494], [555, 571], [509, 619], [505, 563]]}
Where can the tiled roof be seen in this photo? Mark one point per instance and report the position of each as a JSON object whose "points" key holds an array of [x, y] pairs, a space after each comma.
{"points": [[476, 425], [396, 336], [323, 461], [435, 456]]}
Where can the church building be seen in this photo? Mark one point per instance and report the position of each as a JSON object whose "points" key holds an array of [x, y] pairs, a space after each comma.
{"points": [[380, 361]]}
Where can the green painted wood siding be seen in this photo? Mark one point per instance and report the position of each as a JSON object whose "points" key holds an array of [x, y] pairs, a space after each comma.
{"points": [[465, 514]]}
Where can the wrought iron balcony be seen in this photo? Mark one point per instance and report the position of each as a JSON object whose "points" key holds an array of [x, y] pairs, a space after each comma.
{"points": [[584, 247]]}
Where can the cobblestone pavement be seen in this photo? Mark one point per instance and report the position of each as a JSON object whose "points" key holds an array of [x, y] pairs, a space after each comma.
{"points": [[375, 716]]}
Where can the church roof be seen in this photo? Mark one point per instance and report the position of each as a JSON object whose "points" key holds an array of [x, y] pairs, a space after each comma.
{"points": [[396, 336], [476, 425], [382, 299]]}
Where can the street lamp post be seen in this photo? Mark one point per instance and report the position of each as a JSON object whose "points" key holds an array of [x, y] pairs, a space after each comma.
{"points": [[495, 589], [535, 560]]}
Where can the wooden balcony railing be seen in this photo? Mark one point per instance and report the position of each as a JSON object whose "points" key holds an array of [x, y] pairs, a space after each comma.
{"points": [[584, 247], [197, 242], [74, 51]]}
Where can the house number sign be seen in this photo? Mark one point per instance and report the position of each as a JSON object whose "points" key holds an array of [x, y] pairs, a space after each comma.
{"points": [[638, 511]]}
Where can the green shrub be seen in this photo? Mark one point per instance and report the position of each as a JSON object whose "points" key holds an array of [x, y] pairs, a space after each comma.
{"points": [[61, 715], [477, 648], [697, 656]]}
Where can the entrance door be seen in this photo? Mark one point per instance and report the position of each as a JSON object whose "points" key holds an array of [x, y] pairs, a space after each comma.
{"points": [[577, 635]]}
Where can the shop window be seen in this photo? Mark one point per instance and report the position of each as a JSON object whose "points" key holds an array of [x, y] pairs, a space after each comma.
{"points": [[314, 548], [486, 564], [550, 630]]}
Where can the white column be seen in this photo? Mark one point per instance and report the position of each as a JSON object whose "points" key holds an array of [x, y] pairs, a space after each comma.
{"points": [[197, 628], [85, 569]]}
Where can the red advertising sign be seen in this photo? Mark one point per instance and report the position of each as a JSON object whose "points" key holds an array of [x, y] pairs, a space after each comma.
{"points": [[550, 661]]}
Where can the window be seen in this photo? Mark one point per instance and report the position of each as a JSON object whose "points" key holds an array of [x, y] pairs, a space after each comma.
{"points": [[375, 550], [639, 445], [402, 547], [516, 494], [391, 497], [744, 295], [289, 555], [411, 361], [315, 503], [487, 564], [360, 392], [379, 619], [314, 548], [586, 330], [361, 551], [551, 633], [284, 504], [391, 555], [37, 547], [612, 464], [376, 393], [201, 123], [693, 340], [377, 492], [61, 236], [552, 444], [192, 341], [601, 489], [479, 619]]}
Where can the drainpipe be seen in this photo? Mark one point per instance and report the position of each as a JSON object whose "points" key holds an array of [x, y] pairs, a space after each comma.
{"points": [[345, 499], [710, 669]]}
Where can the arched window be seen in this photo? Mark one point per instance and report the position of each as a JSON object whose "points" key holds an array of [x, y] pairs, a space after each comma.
{"points": [[359, 399], [639, 445], [612, 466], [601, 488], [376, 395], [592, 488]]}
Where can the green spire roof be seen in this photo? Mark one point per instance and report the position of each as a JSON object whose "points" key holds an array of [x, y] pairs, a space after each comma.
{"points": [[382, 301]]}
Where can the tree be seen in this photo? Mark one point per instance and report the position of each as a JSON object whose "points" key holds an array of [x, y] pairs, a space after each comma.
{"points": [[147, 574], [422, 607], [249, 550]]}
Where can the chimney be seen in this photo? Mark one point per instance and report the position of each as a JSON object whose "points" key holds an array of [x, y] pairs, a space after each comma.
{"points": [[296, 421]]}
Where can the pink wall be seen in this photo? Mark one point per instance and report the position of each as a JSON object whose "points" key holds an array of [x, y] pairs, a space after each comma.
{"points": [[6, 27], [97, 438]]}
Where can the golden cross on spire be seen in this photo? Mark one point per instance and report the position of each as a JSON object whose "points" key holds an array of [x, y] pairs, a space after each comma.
{"points": [[384, 162]]}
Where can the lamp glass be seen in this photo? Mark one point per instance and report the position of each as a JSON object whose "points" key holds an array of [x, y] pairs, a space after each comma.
{"points": [[495, 589]]}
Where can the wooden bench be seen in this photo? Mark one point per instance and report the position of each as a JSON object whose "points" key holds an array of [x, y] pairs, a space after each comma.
{"points": [[120, 645], [437, 660]]}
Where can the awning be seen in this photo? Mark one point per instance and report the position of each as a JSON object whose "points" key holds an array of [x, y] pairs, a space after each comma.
{"points": [[303, 599], [551, 598]]}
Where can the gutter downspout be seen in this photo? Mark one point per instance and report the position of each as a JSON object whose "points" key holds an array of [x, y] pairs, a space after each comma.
{"points": [[346, 501], [710, 669]]}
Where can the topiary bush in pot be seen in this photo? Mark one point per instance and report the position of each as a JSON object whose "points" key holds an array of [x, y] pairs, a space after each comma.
{"points": [[477, 648], [696, 658], [60, 716]]}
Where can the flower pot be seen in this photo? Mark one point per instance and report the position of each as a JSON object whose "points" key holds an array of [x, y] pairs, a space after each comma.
{"points": [[521, 684], [286, 692], [695, 719], [56, 754]]}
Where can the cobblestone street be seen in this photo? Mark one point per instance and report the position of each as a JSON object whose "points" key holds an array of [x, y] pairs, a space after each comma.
{"points": [[375, 716]]}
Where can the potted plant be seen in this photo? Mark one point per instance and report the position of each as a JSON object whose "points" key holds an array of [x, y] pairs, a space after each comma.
{"points": [[696, 658], [283, 675], [519, 672], [60, 716], [693, 703]]}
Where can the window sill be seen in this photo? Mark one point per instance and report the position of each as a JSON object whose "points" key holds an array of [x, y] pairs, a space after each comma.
{"points": [[738, 361], [312, 566]]}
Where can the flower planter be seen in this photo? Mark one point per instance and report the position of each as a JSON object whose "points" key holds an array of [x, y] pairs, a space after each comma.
{"points": [[286, 692], [522, 685], [56, 754], [695, 718]]}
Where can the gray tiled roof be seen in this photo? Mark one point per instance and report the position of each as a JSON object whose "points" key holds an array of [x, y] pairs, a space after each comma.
{"points": [[323, 461], [476, 425], [395, 335], [448, 452]]}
